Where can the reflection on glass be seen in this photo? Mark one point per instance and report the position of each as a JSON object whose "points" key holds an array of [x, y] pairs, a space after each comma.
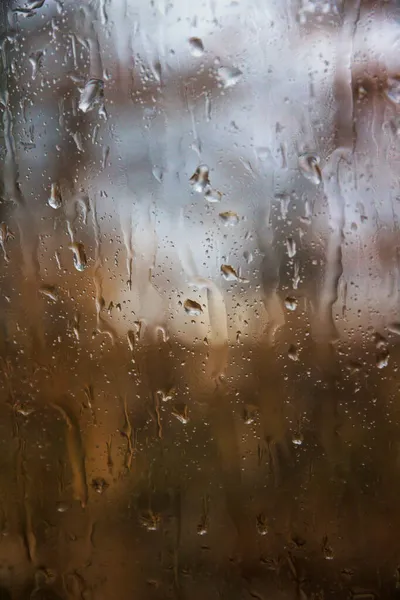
{"points": [[200, 317]]}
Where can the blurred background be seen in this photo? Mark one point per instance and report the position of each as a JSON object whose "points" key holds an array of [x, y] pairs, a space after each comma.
{"points": [[199, 299]]}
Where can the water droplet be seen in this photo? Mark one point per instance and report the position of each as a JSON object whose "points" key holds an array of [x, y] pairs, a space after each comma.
{"points": [[262, 525], [213, 196], [79, 255], [77, 137], [229, 76], [166, 396], [150, 521], [36, 60], [327, 549], [229, 273], [82, 204], [248, 256], [99, 485], [291, 303], [202, 529], [393, 90], [62, 507], [196, 47], [192, 308], [293, 353], [131, 337], [297, 439], [200, 180], [49, 291], [380, 341], [284, 201], [291, 247], [180, 412], [382, 359], [249, 414], [5, 235], [92, 94], [309, 166], [394, 328], [229, 218], [33, 4], [158, 174], [55, 200]]}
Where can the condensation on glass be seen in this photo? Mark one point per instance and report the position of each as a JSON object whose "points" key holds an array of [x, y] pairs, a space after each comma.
{"points": [[199, 299]]}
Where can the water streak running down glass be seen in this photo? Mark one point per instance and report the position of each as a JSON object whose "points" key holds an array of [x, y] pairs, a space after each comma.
{"points": [[199, 299]]}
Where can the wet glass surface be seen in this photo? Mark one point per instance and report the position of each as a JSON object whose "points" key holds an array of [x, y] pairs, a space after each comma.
{"points": [[199, 299]]}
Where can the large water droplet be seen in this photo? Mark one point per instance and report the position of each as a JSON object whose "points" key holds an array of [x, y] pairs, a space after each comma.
{"points": [[382, 359], [213, 196], [229, 273], [293, 353], [180, 412], [33, 4], [229, 218], [55, 200], [262, 525], [36, 60], [229, 76], [291, 247], [196, 47], [99, 485], [309, 166], [91, 95], [393, 90], [49, 291], [79, 255], [291, 303], [192, 308], [200, 180]]}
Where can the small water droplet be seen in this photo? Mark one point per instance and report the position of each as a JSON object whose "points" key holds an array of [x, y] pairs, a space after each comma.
{"points": [[91, 95], [309, 166], [196, 47], [55, 200], [229, 76], [200, 180], [229, 218], [192, 308], [291, 303], [293, 353], [79, 255]]}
